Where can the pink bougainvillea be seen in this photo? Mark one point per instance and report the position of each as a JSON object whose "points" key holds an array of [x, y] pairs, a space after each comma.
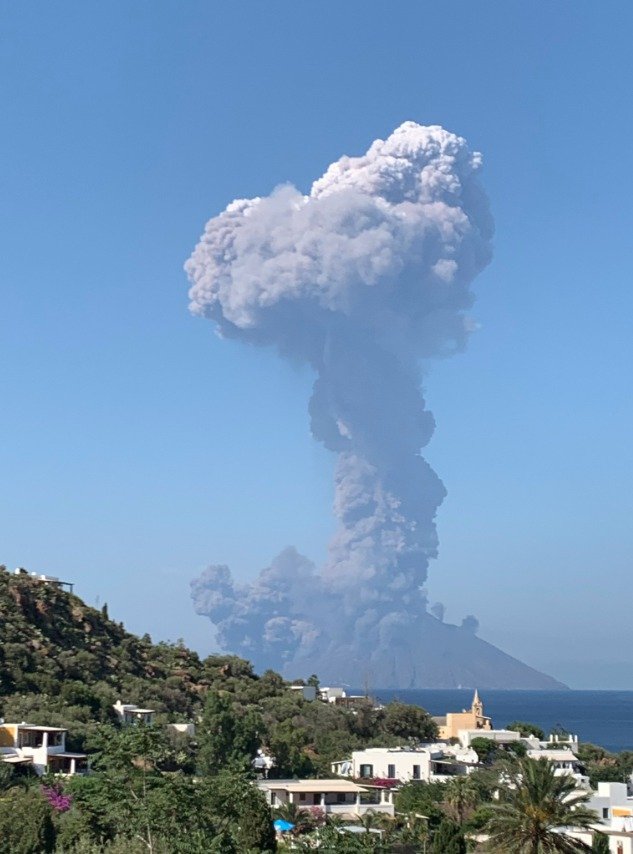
{"points": [[318, 815], [384, 782], [57, 799]]}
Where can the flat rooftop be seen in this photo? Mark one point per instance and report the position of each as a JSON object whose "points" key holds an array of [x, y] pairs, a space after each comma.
{"points": [[36, 728], [68, 756], [334, 785]]}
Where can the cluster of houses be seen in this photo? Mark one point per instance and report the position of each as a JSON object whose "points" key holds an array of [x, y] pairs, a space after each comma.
{"points": [[366, 780]]}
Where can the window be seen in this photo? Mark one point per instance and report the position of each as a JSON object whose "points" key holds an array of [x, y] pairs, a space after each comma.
{"points": [[340, 798], [273, 799], [302, 796], [366, 770], [30, 738], [416, 772], [391, 772], [605, 812]]}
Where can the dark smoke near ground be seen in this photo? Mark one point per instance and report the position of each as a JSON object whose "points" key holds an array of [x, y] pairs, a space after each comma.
{"points": [[366, 279]]}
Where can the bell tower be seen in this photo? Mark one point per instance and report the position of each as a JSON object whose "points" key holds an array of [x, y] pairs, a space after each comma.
{"points": [[477, 707]]}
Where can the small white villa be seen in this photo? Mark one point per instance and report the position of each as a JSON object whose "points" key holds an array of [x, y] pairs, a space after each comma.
{"points": [[501, 737], [128, 713], [429, 762], [565, 762], [614, 807], [43, 747], [335, 797]]}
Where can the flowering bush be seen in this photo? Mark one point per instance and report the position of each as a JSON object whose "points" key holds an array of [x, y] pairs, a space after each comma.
{"points": [[57, 799], [318, 816], [382, 782]]}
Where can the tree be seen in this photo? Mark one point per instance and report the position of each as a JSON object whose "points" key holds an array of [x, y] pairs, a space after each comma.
{"points": [[516, 749], [415, 832], [216, 734], [300, 818], [527, 729], [169, 812], [602, 766], [26, 824], [461, 796], [600, 843], [138, 793], [241, 809], [227, 739], [536, 801], [407, 721], [7, 777], [334, 838], [421, 799], [485, 748], [448, 839]]}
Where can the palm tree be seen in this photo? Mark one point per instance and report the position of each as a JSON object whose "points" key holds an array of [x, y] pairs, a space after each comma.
{"points": [[536, 802], [372, 820], [301, 818], [460, 795], [415, 831], [600, 844]]}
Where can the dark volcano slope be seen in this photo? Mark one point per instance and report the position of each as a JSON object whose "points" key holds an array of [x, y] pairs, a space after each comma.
{"points": [[431, 654]]}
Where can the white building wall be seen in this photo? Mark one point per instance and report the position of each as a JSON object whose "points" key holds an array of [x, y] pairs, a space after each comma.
{"points": [[407, 764], [404, 765], [37, 755], [610, 795]]}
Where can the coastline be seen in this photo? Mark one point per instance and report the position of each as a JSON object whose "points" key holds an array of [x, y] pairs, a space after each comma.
{"points": [[603, 717]]}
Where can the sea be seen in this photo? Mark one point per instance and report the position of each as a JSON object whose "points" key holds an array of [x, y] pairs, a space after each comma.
{"points": [[599, 717]]}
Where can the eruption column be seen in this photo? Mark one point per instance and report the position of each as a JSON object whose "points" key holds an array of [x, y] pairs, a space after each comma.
{"points": [[365, 278]]}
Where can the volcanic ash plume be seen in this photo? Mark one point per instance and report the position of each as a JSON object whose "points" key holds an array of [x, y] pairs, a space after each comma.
{"points": [[364, 278]]}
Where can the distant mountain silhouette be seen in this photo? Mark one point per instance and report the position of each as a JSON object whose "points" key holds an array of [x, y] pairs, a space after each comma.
{"points": [[433, 655]]}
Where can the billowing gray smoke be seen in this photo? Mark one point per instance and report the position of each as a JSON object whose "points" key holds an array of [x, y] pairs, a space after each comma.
{"points": [[364, 278]]}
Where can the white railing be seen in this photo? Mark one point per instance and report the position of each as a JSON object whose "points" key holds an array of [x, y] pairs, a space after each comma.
{"points": [[357, 809]]}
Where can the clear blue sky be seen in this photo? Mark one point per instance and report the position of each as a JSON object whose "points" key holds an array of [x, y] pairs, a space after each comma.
{"points": [[135, 448]]}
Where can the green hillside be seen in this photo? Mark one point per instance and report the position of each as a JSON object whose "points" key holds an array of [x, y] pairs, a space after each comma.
{"points": [[63, 663], [50, 637]]}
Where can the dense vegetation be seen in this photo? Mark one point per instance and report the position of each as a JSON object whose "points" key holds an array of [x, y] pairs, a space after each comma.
{"points": [[65, 664], [155, 790], [604, 767]]}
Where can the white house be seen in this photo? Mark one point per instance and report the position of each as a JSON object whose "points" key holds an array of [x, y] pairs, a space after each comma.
{"points": [[614, 805], [43, 747], [308, 692], [430, 762], [338, 797], [340, 697], [331, 695], [614, 808], [620, 841], [502, 737], [53, 580], [128, 713], [564, 761]]}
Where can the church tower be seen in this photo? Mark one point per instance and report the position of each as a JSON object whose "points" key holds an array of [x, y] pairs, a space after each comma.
{"points": [[477, 707]]}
